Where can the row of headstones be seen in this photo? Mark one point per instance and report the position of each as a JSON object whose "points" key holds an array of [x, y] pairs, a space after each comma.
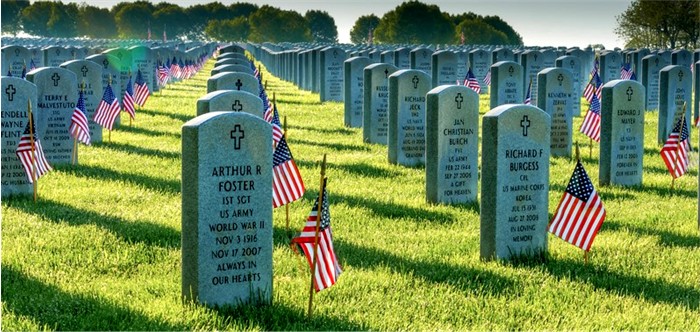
{"points": [[227, 177], [53, 94], [369, 93], [227, 190], [319, 69], [120, 61]]}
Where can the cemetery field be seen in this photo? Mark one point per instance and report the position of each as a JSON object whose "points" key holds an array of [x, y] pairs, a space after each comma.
{"points": [[100, 249]]}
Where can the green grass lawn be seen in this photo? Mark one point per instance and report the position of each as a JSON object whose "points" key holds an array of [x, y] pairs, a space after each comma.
{"points": [[100, 250]]}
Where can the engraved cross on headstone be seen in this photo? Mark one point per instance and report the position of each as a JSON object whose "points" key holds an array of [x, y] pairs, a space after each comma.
{"points": [[525, 123], [629, 93], [239, 84], [680, 76], [10, 91], [84, 70], [656, 61], [415, 81], [459, 99], [237, 106], [560, 78], [237, 136], [105, 62], [17, 52], [571, 64], [511, 70], [55, 79], [386, 73]]}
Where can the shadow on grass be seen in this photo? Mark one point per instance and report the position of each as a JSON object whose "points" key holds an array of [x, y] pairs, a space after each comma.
{"points": [[467, 279], [277, 317], [388, 210], [142, 131], [666, 238], [59, 310], [333, 146], [141, 231], [99, 172], [341, 131], [180, 117], [358, 169], [133, 149], [600, 277]]}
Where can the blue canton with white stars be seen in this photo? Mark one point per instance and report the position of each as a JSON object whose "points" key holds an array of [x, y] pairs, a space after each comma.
{"points": [[580, 185]]}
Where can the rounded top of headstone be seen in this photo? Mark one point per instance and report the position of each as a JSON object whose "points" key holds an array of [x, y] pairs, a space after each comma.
{"points": [[357, 59], [407, 72], [507, 108], [381, 64], [204, 119], [504, 63], [674, 68], [451, 88]]}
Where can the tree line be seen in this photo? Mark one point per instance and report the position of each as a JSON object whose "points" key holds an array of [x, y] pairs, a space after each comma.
{"points": [[410, 22], [662, 24]]}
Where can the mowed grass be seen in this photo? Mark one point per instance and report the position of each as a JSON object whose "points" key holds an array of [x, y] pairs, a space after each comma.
{"points": [[100, 250]]}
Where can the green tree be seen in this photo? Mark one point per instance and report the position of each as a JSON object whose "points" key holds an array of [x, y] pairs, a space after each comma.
{"points": [[648, 23], [480, 32], [12, 14], [414, 22], [95, 22], [322, 26], [239, 9], [172, 17], [513, 38], [270, 24], [132, 19], [51, 19], [236, 29], [360, 31]]}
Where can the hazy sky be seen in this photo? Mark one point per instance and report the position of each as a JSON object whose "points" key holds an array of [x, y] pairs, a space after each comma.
{"points": [[539, 22]]}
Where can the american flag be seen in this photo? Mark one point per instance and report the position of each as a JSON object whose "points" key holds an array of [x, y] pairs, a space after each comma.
{"points": [[471, 82], [78, 122], [528, 95], [32, 66], [675, 150], [287, 185], [108, 109], [591, 123], [272, 116], [626, 71], [595, 86], [580, 212], [487, 79], [128, 100], [141, 92], [32, 156], [163, 75], [327, 269], [596, 67]]}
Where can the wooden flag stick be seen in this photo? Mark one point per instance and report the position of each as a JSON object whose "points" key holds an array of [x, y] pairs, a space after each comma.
{"points": [[286, 206], [585, 257], [110, 136], [318, 224], [590, 150], [31, 141], [75, 151], [578, 155]]}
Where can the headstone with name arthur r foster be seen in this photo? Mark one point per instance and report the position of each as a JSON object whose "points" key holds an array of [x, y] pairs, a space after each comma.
{"points": [[406, 140], [506, 83], [375, 108], [227, 209], [675, 89], [230, 101], [515, 190], [354, 90], [621, 133], [89, 78], [15, 93], [57, 95], [556, 98], [452, 144]]}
